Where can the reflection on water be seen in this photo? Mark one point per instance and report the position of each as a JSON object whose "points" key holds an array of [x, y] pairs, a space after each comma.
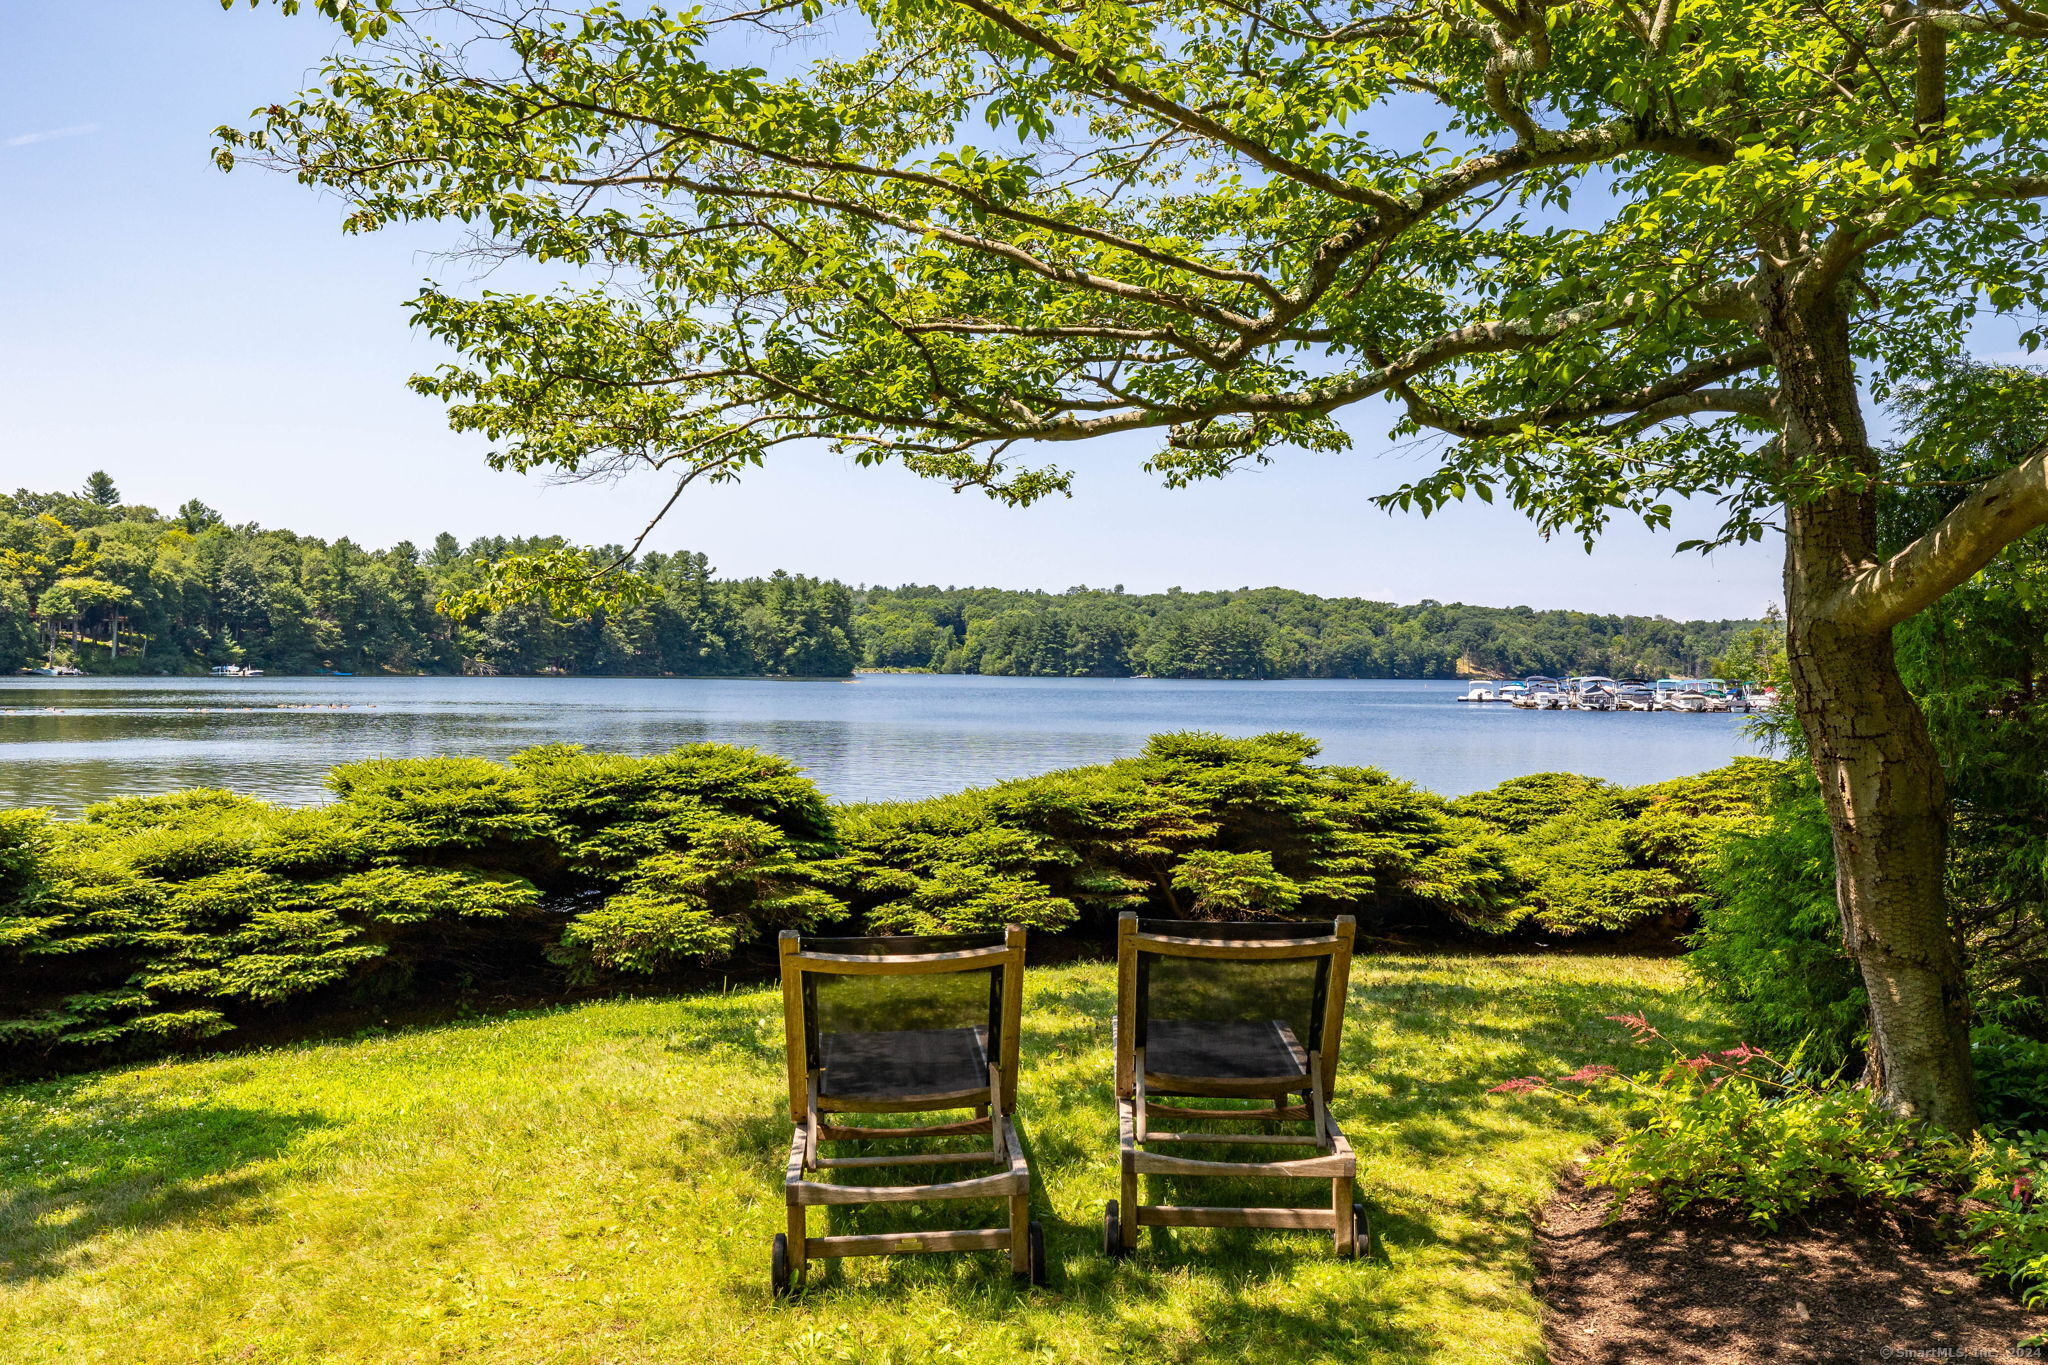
{"points": [[67, 742]]}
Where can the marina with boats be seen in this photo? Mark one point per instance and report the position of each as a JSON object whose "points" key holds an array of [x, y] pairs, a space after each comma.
{"points": [[1593, 693]]}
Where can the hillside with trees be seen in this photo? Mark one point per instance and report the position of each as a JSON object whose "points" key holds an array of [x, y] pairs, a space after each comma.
{"points": [[124, 589], [1269, 633], [119, 588]]}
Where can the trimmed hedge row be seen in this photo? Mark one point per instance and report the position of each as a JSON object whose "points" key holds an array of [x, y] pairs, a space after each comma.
{"points": [[159, 920]]}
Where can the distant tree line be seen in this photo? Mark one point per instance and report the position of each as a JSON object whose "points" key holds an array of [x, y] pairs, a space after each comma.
{"points": [[114, 588], [110, 587], [1268, 633]]}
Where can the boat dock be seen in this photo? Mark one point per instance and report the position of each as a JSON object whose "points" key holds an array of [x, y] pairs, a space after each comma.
{"points": [[1539, 692]]}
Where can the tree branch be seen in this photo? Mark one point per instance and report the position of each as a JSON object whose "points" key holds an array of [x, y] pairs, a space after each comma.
{"points": [[1675, 396], [1193, 120], [1087, 279], [2005, 507]]}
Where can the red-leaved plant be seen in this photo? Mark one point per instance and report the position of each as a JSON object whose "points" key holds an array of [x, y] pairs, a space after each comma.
{"points": [[1743, 1131], [1711, 1068]]}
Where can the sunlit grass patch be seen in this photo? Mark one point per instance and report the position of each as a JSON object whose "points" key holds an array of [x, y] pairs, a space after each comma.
{"points": [[599, 1184]]}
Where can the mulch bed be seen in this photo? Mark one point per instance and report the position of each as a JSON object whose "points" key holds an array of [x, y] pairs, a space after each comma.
{"points": [[1651, 1287]]}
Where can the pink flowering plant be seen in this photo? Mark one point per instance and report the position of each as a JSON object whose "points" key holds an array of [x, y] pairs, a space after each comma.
{"points": [[1742, 1131]]}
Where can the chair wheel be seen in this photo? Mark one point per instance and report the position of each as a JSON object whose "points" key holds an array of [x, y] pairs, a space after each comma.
{"points": [[1041, 1273], [1361, 1232], [1112, 1233], [778, 1266]]}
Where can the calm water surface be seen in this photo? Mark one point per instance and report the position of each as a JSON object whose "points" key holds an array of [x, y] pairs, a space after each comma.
{"points": [[66, 742]]}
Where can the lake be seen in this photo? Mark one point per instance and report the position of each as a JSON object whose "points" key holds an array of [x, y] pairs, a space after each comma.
{"points": [[65, 742]]}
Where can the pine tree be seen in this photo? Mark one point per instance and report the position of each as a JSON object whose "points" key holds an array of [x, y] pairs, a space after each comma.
{"points": [[195, 516]]}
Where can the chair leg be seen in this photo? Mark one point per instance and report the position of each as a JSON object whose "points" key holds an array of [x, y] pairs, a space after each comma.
{"points": [[797, 1256], [1020, 1234], [1344, 1232], [1128, 1221]]}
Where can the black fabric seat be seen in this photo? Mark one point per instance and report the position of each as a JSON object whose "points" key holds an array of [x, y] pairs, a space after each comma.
{"points": [[1222, 1049], [899, 1063]]}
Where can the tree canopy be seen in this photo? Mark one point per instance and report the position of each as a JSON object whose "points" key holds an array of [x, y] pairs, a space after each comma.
{"points": [[986, 227]]}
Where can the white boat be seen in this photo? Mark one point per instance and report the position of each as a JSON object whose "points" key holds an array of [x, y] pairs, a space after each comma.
{"points": [[1479, 692], [236, 671], [1745, 696], [1635, 697], [1593, 693], [1691, 699], [1511, 692], [58, 671]]}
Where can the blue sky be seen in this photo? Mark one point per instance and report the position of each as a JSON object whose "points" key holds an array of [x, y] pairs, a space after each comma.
{"points": [[211, 336]]}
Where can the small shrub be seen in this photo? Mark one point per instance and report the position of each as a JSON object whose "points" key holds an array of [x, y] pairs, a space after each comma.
{"points": [[2012, 1077], [1769, 946], [1590, 857], [2010, 1227], [958, 898], [643, 932], [199, 845], [1739, 1131], [1222, 885]]}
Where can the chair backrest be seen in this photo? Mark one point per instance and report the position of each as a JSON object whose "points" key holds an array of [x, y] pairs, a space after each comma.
{"points": [[899, 982], [1209, 972]]}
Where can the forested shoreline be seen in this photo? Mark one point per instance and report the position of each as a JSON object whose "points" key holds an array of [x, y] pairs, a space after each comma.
{"points": [[109, 587]]}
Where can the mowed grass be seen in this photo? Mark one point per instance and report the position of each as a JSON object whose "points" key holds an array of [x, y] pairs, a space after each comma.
{"points": [[600, 1184]]}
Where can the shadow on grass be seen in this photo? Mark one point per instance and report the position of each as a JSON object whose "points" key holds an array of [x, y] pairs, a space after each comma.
{"points": [[126, 1165], [729, 1023], [1216, 1296], [1459, 1169]]}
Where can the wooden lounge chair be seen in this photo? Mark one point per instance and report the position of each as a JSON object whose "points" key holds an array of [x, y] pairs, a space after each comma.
{"points": [[904, 1025], [1247, 1016]]}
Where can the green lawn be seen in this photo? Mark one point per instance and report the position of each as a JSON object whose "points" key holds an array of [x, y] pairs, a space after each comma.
{"points": [[600, 1183]]}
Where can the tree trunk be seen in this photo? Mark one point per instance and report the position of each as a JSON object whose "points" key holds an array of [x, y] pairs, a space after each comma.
{"points": [[1880, 776], [1881, 781]]}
